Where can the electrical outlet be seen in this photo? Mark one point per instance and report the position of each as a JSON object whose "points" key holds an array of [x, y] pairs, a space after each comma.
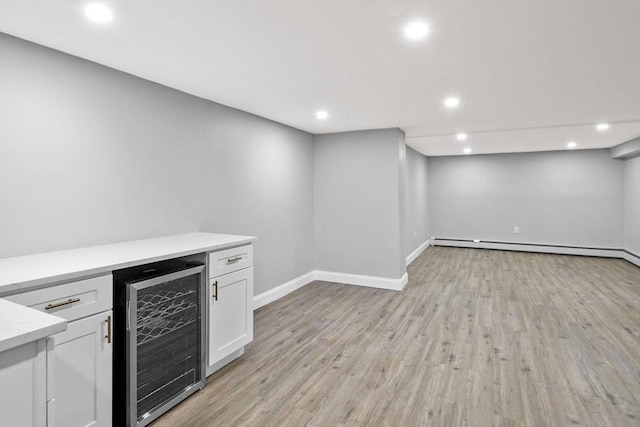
{"points": [[516, 229]]}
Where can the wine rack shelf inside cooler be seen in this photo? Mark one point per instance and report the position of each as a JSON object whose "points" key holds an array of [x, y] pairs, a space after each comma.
{"points": [[162, 311]]}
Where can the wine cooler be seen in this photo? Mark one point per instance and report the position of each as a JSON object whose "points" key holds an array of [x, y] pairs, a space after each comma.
{"points": [[159, 356]]}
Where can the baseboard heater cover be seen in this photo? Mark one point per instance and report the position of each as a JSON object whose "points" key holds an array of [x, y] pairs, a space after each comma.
{"points": [[540, 248], [497, 242]]}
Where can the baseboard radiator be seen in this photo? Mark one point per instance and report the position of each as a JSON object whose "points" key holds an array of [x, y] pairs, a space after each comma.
{"points": [[539, 248]]}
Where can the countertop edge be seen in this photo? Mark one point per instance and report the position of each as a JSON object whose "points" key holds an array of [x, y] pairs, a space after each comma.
{"points": [[11, 288], [23, 325]]}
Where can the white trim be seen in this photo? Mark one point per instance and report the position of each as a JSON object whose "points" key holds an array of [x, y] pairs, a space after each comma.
{"points": [[415, 254], [564, 250], [370, 281], [399, 284], [282, 290], [328, 276], [631, 258]]}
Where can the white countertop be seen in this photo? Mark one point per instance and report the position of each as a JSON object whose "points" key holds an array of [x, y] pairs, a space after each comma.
{"points": [[21, 325], [32, 271]]}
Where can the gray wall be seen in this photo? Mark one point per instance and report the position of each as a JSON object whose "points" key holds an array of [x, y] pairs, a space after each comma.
{"points": [[417, 213], [560, 197], [90, 155], [632, 205], [359, 180]]}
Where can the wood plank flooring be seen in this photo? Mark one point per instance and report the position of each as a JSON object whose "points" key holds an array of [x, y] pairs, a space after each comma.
{"points": [[477, 338]]}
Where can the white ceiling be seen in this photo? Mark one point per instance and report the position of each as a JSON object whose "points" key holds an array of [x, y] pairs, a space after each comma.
{"points": [[531, 75]]}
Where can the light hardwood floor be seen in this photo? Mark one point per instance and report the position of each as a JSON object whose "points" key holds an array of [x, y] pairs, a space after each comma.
{"points": [[477, 338]]}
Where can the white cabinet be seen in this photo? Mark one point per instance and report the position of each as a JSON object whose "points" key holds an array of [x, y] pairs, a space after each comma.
{"points": [[83, 352], [25, 391], [230, 305], [230, 317], [82, 368]]}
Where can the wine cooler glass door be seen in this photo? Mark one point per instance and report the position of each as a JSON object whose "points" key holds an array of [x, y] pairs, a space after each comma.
{"points": [[165, 342]]}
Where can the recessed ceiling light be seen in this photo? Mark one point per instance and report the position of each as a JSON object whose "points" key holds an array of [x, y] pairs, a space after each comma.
{"points": [[322, 115], [571, 144], [461, 136], [602, 126], [416, 30], [451, 102], [467, 150], [98, 13]]}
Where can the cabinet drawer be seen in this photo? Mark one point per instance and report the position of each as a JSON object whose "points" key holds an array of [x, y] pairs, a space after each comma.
{"points": [[71, 301], [229, 260]]}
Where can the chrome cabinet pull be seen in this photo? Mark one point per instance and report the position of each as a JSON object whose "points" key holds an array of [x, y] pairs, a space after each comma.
{"points": [[108, 336], [215, 288], [60, 304], [232, 260]]}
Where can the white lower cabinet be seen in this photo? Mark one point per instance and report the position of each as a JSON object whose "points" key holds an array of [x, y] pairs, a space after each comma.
{"points": [[25, 394], [82, 367], [230, 316], [230, 307]]}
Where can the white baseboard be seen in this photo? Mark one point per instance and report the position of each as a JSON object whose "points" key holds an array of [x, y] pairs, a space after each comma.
{"points": [[282, 290], [369, 281], [328, 276], [399, 284], [415, 254], [631, 258], [563, 250]]}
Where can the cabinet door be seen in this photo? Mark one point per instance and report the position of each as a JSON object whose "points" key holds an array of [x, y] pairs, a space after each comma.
{"points": [[23, 385], [82, 369], [230, 314]]}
